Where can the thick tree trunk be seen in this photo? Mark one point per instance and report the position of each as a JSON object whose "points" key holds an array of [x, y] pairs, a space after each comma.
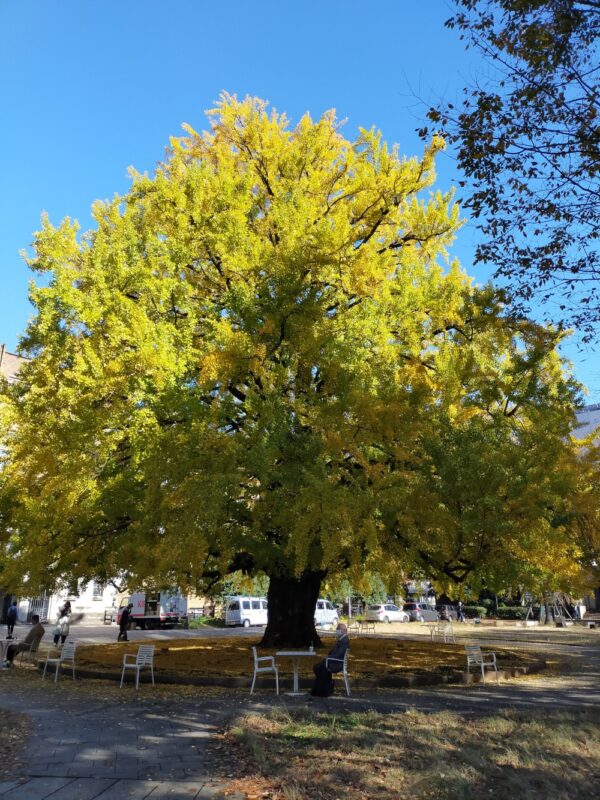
{"points": [[292, 603]]}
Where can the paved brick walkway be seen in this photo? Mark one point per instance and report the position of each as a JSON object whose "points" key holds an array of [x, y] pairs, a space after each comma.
{"points": [[135, 746]]}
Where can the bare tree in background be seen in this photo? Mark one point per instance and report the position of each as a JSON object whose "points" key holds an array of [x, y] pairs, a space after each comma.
{"points": [[528, 143]]}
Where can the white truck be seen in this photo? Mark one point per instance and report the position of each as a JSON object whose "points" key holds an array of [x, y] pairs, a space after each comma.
{"points": [[155, 609]]}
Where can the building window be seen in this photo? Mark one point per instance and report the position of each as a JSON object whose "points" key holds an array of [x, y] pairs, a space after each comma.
{"points": [[98, 590]]}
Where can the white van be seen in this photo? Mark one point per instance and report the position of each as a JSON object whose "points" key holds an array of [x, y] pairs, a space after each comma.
{"points": [[245, 611], [326, 614]]}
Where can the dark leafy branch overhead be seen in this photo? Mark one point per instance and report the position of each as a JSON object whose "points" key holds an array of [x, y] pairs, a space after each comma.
{"points": [[528, 142]]}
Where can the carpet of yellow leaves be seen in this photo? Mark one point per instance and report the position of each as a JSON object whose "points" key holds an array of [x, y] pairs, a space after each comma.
{"points": [[233, 657]]}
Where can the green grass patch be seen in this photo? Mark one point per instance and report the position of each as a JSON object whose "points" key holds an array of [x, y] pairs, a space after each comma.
{"points": [[307, 754]]}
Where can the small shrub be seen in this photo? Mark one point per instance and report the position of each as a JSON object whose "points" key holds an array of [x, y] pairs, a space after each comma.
{"points": [[201, 622], [479, 612], [512, 612]]}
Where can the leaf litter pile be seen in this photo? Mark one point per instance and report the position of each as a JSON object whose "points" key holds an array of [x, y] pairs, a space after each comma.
{"points": [[15, 732], [233, 657]]}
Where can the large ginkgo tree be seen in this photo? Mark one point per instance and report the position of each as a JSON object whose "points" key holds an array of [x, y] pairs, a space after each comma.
{"points": [[262, 359]]}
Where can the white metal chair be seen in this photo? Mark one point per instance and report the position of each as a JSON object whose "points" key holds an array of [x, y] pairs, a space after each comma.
{"points": [[344, 662], [269, 665], [366, 627], [66, 656], [442, 630], [144, 658], [480, 660]]}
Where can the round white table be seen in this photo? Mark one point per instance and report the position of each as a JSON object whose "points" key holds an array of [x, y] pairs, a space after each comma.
{"points": [[295, 656]]}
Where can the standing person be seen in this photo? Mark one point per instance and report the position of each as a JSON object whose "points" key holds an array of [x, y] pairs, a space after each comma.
{"points": [[124, 623], [460, 613], [30, 642], [11, 619], [66, 609], [62, 626], [323, 685]]}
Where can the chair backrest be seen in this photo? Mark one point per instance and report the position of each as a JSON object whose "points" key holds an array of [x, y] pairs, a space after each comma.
{"points": [[145, 654], [35, 645], [473, 652], [68, 651], [346, 660]]}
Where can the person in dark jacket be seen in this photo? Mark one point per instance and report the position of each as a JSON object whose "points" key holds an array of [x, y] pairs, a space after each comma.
{"points": [[323, 685], [124, 623], [11, 619]]}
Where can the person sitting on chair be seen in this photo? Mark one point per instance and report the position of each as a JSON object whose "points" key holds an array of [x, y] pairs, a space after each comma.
{"points": [[30, 642], [323, 685]]}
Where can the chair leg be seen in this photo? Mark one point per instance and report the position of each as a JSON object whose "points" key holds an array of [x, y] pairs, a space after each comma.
{"points": [[152, 673], [253, 682], [44, 672], [56, 672], [137, 678], [347, 684], [122, 676], [276, 681]]}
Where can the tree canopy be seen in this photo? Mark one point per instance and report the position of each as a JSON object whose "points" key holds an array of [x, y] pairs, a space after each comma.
{"points": [[527, 138], [262, 359]]}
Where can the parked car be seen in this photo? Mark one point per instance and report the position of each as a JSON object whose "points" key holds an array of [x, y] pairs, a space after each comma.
{"points": [[386, 612], [326, 614], [421, 612], [447, 612]]}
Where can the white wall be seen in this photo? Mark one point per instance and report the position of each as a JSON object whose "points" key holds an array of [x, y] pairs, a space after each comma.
{"points": [[91, 602]]}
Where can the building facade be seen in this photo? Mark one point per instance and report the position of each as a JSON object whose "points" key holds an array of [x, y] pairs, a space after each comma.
{"points": [[9, 364]]}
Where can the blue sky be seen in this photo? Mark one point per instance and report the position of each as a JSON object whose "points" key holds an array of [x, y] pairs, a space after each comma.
{"points": [[89, 87]]}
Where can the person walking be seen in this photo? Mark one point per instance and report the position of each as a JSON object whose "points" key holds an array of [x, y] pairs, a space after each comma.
{"points": [[11, 619], [460, 612], [124, 623]]}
